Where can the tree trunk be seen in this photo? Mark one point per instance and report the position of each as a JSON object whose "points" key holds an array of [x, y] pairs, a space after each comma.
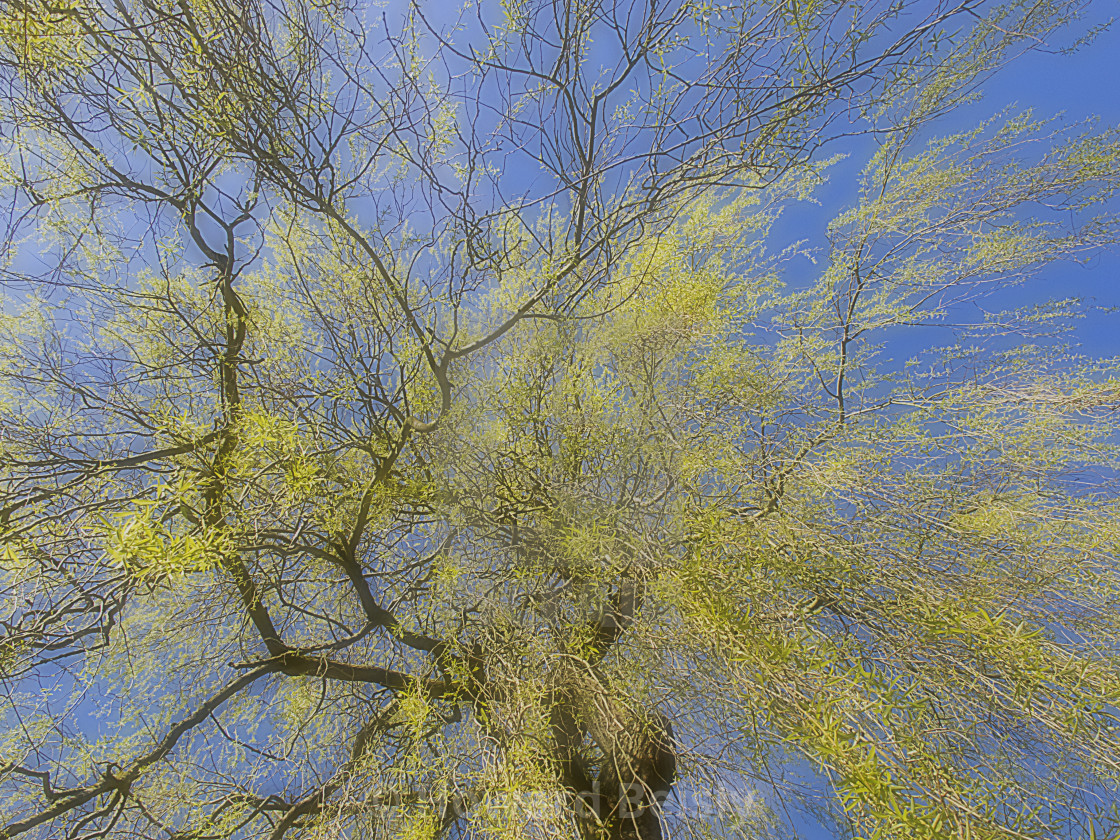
{"points": [[624, 793]]}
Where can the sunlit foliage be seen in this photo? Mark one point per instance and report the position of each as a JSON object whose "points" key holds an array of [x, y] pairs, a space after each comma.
{"points": [[416, 425]]}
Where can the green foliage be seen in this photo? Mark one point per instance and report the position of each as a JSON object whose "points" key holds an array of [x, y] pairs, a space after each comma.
{"points": [[350, 487]]}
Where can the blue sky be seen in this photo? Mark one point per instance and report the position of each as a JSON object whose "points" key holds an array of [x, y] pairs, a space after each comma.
{"points": [[1078, 86]]}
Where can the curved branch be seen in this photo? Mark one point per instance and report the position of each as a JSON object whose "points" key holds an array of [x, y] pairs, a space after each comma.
{"points": [[67, 800], [297, 664]]}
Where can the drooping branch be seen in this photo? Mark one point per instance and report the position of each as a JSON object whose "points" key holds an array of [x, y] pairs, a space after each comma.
{"points": [[66, 800]]}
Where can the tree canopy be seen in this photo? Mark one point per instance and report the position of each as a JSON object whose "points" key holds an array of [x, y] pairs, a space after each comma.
{"points": [[423, 424]]}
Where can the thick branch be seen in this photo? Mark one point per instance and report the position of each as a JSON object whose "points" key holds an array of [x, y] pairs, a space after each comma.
{"points": [[296, 664]]}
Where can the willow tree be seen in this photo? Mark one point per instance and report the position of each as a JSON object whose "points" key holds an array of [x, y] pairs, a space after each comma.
{"points": [[407, 432]]}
